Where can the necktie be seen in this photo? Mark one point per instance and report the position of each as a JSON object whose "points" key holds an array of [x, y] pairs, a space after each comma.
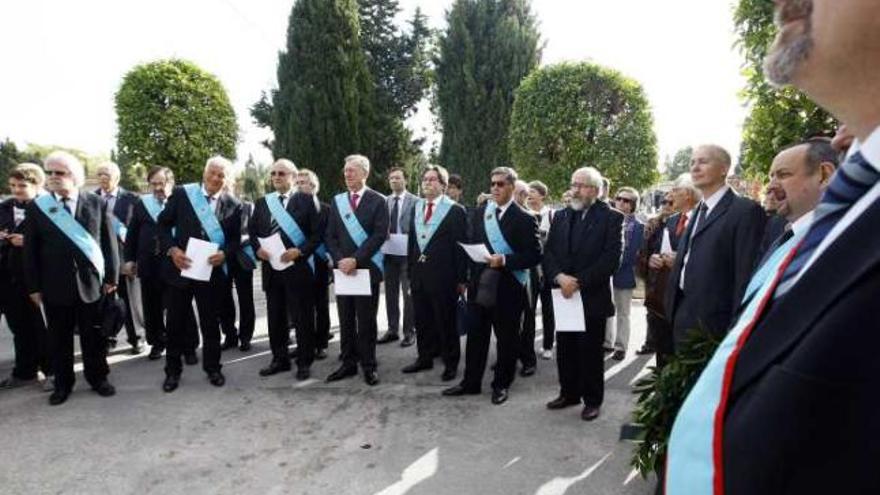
{"points": [[65, 204], [354, 201], [679, 227], [850, 183], [701, 216], [429, 212], [395, 212], [273, 227]]}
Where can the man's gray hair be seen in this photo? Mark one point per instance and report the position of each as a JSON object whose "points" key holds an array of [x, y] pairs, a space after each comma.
{"points": [[112, 168], [684, 181], [509, 174], [359, 160], [286, 164], [313, 178], [594, 178], [71, 163], [220, 161], [521, 185]]}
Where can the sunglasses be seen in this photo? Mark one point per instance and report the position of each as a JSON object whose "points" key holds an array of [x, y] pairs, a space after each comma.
{"points": [[498, 183], [59, 173], [626, 200]]}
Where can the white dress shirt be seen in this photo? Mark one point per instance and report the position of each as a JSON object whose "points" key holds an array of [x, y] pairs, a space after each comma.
{"points": [[503, 208], [110, 198], [711, 202], [213, 199], [71, 201]]}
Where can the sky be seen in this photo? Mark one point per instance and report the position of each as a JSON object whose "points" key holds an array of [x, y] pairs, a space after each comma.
{"points": [[63, 61]]}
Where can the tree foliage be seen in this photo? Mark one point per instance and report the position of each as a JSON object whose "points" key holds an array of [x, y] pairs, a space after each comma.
{"points": [[174, 114], [488, 47], [679, 163], [778, 117], [571, 115], [10, 156]]}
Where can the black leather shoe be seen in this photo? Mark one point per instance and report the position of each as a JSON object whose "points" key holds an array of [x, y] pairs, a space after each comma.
{"points": [[155, 352], [274, 367], [216, 378], [408, 341], [499, 396], [448, 375], [303, 374], [527, 370], [371, 378], [58, 397], [171, 382], [191, 359], [562, 402], [416, 367], [589, 413], [104, 389], [136, 348], [618, 355], [388, 337], [321, 354], [646, 349], [459, 390], [341, 373], [229, 344], [244, 346]]}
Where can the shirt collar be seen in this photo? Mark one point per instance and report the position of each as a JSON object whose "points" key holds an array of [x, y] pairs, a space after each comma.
{"points": [[70, 197], [212, 196], [504, 207], [802, 223], [359, 192], [870, 149], [114, 192], [713, 200]]}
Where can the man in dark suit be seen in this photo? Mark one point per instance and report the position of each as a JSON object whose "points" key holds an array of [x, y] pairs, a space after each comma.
{"points": [[120, 203], [624, 280], [356, 230], [582, 253], [498, 291], [241, 276], [397, 280], [71, 262], [307, 182], [289, 291], [438, 273], [30, 339], [198, 211], [788, 404], [716, 255]]}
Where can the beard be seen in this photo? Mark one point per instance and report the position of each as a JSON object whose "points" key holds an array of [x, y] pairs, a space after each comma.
{"points": [[578, 204], [791, 47]]}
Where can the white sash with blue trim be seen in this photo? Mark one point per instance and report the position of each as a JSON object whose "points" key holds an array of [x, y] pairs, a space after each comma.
{"points": [[498, 242], [355, 229], [73, 230], [288, 224], [206, 215], [424, 232]]}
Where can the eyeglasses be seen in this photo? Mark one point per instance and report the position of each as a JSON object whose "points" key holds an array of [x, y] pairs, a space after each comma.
{"points": [[277, 173], [580, 185], [58, 173], [624, 199], [430, 179], [498, 183], [666, 202]]}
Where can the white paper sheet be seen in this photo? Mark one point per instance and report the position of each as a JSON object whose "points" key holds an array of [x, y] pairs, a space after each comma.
{"points": [[665, 244], [568, 313], [275, 246], [477, 252], [198, 252], [352, 285], [396, 245]]}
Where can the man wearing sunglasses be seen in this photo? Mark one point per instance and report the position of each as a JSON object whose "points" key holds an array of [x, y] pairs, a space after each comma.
{"points": [[624, 280]]}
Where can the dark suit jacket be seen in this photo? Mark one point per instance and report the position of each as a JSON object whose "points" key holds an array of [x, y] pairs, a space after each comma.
{"points": [[406, 210], [241, 259], [595, 258], [656, 281], [520, 229], [774, 228], [123, 209], [625, 277], [372, 213], [143, 245], [445, 262], [55, 267], [724, 249], [179, 214], [301, 207], [802, 416], [11, 257]]}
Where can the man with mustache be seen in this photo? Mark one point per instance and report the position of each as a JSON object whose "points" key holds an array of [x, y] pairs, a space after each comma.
{"points": [[788, 403]]}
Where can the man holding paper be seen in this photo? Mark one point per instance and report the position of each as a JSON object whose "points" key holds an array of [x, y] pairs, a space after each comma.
{"points": [[438, 273], [356, 230], [284, 232], [582, 253], [498, 292], [397, 280], [198, 227]]}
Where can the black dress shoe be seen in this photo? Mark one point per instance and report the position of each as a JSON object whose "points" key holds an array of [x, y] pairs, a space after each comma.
{"points": [[416, 367], [408, 341], [371, 378], [499, 396], [459, 390], [303, 374], [342, 373], [321, 354], [448, 375], [388, 337], [229, 344], [589, 413], [562, 402], [191, 359], [646, 349], [136, 348], [527, 370], [171, 382], [274, 367], [244, 346], [58, 397], [216, 378], [618, 355], [104, 389], [155, 352]]}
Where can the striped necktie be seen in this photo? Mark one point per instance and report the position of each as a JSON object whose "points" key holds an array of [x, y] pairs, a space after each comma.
{"points": [[854, 178]]}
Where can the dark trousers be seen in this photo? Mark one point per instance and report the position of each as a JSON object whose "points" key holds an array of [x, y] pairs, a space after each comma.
{"points": [[130, 331], [152, 299], [547, 318], [504, 318], [660, 337], [322, 306], [244, 288], [208, 296], [30, 339], [527, 337], [581, 364], [357, 326], [397, 282], [436, 332], [285, 304], [85, 318]]}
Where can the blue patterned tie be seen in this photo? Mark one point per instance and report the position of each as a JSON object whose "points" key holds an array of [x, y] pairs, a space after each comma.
{"points": [[849, 184]]}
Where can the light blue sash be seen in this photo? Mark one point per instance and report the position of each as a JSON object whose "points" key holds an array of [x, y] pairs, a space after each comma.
{"points": [[288, 224], [152, 205], [498, 242], [206, 215], [73, 230], [691, 457], [424, 232], [322, 253], [355, 229]]}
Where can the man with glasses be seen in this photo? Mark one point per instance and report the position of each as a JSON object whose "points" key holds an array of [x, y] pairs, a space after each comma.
{"points": [[624, 280], [498, 291]]}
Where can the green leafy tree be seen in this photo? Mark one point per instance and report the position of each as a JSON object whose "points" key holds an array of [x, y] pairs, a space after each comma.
{"points": [[254, 180], [10, 156], [679, 163], [323, 109], [570, 115], [487, 49], [172, 113], [778, 117]]}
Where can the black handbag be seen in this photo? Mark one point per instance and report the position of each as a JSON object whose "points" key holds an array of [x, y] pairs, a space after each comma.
{"points": [[113, 313]]}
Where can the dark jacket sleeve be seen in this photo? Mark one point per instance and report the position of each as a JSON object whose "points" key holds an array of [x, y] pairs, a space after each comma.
{"points": [[603, 269], [31, 251], [459, 233], [531, 256], [134, 231], [233, 236], [747, 244], [168, 218], [316, 233], [109, 246], [551, 265], [377, 238], [331, 234]]}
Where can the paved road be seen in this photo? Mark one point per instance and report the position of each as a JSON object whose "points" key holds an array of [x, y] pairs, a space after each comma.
{"points": [[276, 436]]}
